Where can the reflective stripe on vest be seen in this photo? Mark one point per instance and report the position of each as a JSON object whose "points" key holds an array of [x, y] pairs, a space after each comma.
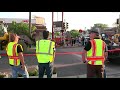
{"points": [[94, 59], [44, 51], [12, 54]]}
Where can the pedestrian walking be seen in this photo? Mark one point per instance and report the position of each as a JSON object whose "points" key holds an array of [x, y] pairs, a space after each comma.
{"points": [[82, 40], [16, 58], [94, 55], [45, 52]]}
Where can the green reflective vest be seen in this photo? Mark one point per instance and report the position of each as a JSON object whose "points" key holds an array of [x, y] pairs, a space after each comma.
{"points": [[12, 53], [95, 55], [45, 51]]}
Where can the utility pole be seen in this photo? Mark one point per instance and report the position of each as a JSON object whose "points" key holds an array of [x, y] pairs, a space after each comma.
{"points": [[62, 22], [119, 25], [62, 27], [30, 23], [52, 25]]}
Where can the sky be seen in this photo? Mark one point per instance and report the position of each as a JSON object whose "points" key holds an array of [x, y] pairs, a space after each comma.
{"points": [[76, 20]]}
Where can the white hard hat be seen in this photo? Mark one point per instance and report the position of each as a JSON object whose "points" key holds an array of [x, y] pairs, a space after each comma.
{"points": [[5, 29]]}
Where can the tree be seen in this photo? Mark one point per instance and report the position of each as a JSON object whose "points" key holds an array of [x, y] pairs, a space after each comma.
{"points": [[33, 28], [20, 28], [56, 33], [74, 33], [100, 26]]}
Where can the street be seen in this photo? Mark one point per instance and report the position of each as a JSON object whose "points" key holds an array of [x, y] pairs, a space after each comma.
{"points": [[68, 66], [73, 67]]}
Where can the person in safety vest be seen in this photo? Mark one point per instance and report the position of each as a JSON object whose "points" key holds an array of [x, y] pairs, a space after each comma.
{"points": [[16, 58], [45, 53], [94, 55]]}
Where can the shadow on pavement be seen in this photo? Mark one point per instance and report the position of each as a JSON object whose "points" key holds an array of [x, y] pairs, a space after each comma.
{"points": [[71, 70]]}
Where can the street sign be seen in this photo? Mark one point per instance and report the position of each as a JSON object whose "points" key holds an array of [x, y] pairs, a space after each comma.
{"points": [[54, 26], [57, 29], [57, 23]]}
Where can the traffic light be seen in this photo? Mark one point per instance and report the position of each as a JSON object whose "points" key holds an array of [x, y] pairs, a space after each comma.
{"points": [[63, 26], [117, 21], [66, 25]]}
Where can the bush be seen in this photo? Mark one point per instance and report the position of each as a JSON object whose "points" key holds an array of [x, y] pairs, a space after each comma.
{"points": [[19, 75], [33, 73], [2, 75]]}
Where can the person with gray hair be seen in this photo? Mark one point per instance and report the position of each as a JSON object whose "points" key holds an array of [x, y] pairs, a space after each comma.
{"points": [[94, 55]]}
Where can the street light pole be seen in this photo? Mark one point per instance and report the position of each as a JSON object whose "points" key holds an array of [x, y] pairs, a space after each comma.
{"points": [[30, 23]]}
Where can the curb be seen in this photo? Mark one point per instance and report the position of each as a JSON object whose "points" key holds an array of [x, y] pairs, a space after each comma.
{"points": [[45, 76]]}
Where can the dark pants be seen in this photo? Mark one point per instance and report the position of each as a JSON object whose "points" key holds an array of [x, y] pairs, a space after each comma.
{"points": [[105, 76], [45, 68], [0, 45], [95, 71]]}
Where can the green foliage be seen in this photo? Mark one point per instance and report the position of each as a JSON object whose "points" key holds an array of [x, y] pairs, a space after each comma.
{"points": [[57, 34], [33, 28], [74, 33], [33, 73], [2, 76], [20, 28], [100, 25]]}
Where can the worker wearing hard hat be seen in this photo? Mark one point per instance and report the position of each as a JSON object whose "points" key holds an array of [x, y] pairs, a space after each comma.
{"points": [[94, 55]]}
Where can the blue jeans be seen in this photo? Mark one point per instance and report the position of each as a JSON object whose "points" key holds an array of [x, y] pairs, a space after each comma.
{"points": [[18, 69], [48, 67]]}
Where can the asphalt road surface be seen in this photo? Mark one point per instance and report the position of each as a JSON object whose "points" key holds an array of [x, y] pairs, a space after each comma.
{"points": [[68, 66]]}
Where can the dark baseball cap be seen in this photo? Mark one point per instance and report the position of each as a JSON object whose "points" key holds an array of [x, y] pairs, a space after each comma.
{"points": [[94, 31]]}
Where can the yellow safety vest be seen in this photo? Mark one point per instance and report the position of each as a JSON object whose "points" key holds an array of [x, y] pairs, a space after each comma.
{"points": [[12, 53], [44, 51], [95, 55]]}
